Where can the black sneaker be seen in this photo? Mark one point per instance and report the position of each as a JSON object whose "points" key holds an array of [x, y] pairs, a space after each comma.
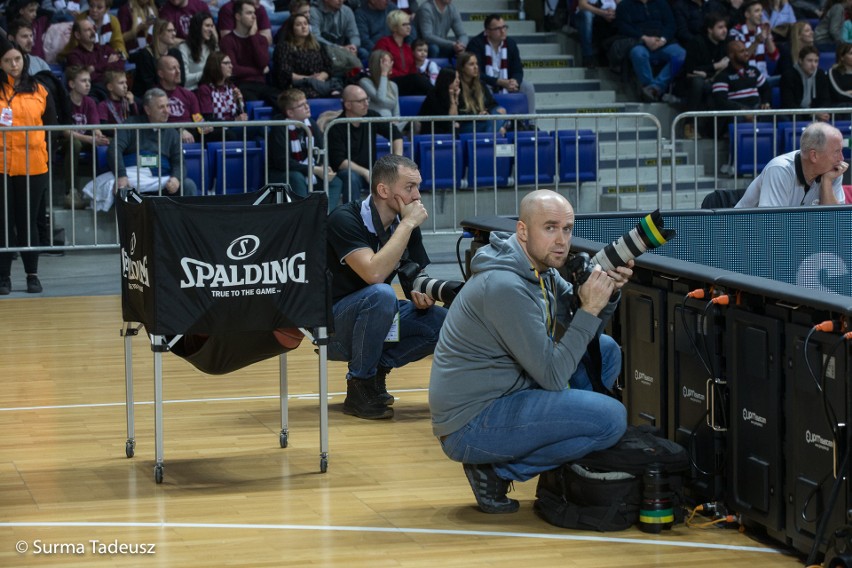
{"points": [[489, 489], [5, 286], [33, 285], [381, 387], [361, 400]]}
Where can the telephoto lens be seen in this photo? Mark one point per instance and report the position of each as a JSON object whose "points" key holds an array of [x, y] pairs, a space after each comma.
{"points": [[656, 513]]}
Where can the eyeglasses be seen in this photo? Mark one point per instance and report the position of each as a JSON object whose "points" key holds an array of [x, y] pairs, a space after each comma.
{"points": [[498, 28], [300, 105], [359, 101], [405, 24]]}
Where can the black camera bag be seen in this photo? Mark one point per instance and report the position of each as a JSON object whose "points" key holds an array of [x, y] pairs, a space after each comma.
{"points": [[603, 490]]}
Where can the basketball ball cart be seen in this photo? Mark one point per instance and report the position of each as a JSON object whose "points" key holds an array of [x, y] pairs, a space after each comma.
{"points": [[224, 281]]}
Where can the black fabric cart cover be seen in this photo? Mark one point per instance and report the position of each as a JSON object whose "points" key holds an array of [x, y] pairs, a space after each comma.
{"points": [[220, 265]]}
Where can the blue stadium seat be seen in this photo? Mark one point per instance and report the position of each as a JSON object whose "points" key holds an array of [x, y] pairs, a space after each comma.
{"points": [[262, 113], [197, 166], [232, 164], [775, 100], [441, 62], [752, 146], [442, 154], [534, 149], [319, 106], [514, 103], [485, 167], [251, 105], [578, 151], [826, 60], [383, 147], [409, 105], [789, 144]]}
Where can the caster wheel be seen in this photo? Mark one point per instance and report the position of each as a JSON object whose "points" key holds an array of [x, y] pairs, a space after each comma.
{"points": [[283, 439], [158, 473], [323, 465], [130, 449]]}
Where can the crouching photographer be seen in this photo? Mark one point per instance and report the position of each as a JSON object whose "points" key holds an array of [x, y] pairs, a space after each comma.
{"points": [[510, 392]]}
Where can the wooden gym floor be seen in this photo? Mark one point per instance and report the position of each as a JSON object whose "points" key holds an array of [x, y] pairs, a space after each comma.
{"points": [[231, 495]]}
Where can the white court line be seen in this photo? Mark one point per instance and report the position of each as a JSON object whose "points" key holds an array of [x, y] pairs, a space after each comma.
{"points": [[305, 396], [401, 530]]}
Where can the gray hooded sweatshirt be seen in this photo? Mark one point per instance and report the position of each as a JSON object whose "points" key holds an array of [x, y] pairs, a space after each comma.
{"points": [[495, 340]]}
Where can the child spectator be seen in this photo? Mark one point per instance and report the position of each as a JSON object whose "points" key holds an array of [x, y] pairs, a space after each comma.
{"points": [[120, 103], [27, 10], [425, 66], [84, 111]]}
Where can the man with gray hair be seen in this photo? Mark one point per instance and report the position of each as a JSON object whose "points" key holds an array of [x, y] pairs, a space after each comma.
{"points": [[369, 243], [150, 159], [812, 175]]}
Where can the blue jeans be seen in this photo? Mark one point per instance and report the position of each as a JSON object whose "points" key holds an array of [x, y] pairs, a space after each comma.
{"points": [[583, 20], [483, 126], [362, 321], [351, 186], [534, 430], [642, 60]]}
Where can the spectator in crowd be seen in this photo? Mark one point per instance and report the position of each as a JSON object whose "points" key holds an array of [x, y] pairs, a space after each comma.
{"points": [[741, 85], [249, 52], [806, 85], [27, 10], [300, 61], [840, 76], [405, 72], [291, 163], [500, 64], [21, 33], [425, 66], [808, 9], [84, 112], [779, 15], [352, 147], [812, 175], [521, 403], [383, 93], [595, 21], [475, 97], [164, 42], [650, 24], [107, 27], [408, 6], [120, 103], [801, 35], [218, 98], [706, 55], [95, 57], [296, 8], [830, 29], [136, 18], [183, 104], [689, 20], [23, 163], [180, 12], [755, 34], [435, 20], [333, 22], [369, 243], [371, 19], [200, 43], [227, 21], [153, 154], [442, 100]]}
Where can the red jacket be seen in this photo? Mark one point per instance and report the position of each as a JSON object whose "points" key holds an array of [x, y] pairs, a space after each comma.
{"points": [[403, 57]]}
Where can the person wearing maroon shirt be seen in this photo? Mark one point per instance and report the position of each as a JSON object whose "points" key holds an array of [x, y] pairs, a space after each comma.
{"points": [[27, 10], [249, 51], [96, 58], [84, 111], [120, 104], [179, 13], [227, 22], [183, 104]]}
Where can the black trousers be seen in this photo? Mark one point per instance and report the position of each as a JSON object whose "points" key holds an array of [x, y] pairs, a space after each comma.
{"points": [[20, 203]]}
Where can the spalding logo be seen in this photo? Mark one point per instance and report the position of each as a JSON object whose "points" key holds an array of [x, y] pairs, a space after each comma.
{"points": [[814, 268], [243, 247], [132, 244]]}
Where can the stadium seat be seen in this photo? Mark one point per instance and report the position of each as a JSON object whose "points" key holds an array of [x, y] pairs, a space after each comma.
{"points": [[752, 146], [514, 103], [577, 156], [233, 165], [534, 151], [383, 147], [826, 60], [251, 105], [440, 160], [319, 106], [485, 165], [262, 113], [197, 166], [409, 105], [441, 62]]}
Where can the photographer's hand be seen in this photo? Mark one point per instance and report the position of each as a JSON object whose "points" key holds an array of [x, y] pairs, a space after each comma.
{"points": [[421, 301], [621, 275], [413, 213], [595, 293]]}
